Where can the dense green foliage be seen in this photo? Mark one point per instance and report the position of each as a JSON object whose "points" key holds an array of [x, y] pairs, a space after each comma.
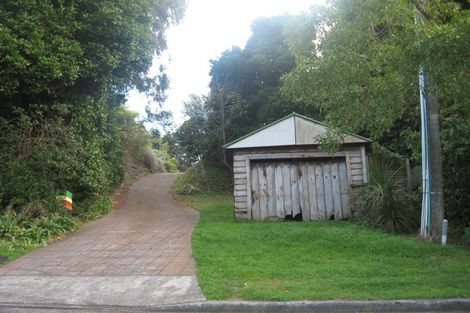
{"points": [[204, 178], [353, 65], [65, 69], [22, 230], [385, 202], [318, 260], [188, 143], [143, 151], [33, 225], [359, 66], [92, 209], [10, 252]]}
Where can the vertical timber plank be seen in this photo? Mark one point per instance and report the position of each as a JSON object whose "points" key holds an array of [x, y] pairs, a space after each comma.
{"points": [[344, 186], [336, 190], [279, 189], [263, 199], [255, 192], [248, 187], [319, 186], [287, 188], [365, 174], [270, 191], [312, 192], [294, 183], [348, 168], [303, 191], [328, 189]]}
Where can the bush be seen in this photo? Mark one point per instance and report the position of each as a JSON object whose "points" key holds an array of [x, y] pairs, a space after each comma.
{"points": [[153, 162], [204, 178], [385, 203], [32, 224], [93, 209], [171, 165], [44, 156], [22, 229]]}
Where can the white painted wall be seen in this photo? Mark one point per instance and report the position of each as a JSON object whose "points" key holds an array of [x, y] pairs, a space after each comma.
{"points": [[280, 134]]}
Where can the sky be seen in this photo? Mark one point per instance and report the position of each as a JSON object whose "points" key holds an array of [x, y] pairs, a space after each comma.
{"points": [[208, 28]]}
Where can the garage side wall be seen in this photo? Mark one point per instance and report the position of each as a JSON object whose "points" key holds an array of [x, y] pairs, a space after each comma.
{"points": [[241, 168], [356, 165]]}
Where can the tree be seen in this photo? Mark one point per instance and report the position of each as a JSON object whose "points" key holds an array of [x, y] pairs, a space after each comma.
{"points": [[52, 50], [222, 90], [360, 67], [191, 135], [65, 67], [351, 68], [245, 86]]}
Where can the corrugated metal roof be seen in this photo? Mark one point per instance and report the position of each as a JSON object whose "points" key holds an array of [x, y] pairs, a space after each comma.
{"points": [[294, 129]]}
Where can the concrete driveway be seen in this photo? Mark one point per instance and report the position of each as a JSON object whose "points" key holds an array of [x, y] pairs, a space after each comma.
{"points": [[138, 255]]}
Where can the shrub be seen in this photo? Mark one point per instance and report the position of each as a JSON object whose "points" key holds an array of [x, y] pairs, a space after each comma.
{"points": [[44, 156], [385, 203], [171, 165], [32, 224], [204, 178], [93, 209], [23, 229], [153, 162]]}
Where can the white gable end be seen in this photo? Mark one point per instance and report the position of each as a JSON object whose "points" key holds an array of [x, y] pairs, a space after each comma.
{"points": [[279, 134], [307, 132], [292, 130]]}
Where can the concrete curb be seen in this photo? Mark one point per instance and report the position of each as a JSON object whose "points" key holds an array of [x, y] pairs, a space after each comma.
{"points": [[445, 305], [450, 305]]}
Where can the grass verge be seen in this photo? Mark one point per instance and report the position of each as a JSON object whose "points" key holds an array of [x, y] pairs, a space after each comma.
{"points": [[10, 252], [317, 260]]}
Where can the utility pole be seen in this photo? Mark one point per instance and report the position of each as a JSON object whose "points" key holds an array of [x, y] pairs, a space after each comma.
{"points": [[432, 212], [426, 201]]}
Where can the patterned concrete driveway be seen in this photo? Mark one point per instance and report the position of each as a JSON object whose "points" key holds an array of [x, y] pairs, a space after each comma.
{"points": [[139, 254]]}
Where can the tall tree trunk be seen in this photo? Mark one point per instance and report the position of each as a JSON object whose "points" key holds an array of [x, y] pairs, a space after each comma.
{"points": [[435, 163], [224, 136], [222, 110]]}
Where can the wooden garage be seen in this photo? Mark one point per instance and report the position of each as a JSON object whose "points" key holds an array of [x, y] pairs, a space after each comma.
{"points": [[280, 173]]}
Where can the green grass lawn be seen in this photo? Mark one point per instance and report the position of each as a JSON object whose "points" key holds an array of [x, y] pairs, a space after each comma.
{"points": [[318, 260]]}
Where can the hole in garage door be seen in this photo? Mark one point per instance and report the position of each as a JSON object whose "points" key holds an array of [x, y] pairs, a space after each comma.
{"points": [[297, 218], [299, 189]]}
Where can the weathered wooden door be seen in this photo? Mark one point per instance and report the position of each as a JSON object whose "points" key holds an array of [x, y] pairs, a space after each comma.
{"points": [[316, 189]]}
